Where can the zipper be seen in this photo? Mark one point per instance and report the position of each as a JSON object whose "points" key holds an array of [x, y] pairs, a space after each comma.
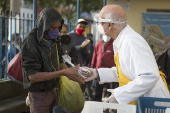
{"points": [[50, 59], [53, 67]]}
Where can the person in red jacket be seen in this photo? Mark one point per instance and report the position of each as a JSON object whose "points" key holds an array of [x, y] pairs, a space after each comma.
{"points": [[103, 58]]}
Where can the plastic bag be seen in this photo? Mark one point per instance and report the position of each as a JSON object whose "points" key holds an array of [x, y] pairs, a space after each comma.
{"points": [[14, 69], [28, 101], [71, 96]]}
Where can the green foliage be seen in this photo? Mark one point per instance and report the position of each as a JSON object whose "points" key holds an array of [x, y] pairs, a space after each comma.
{"points": [[68, 8], [4, 5], [91, 5]]}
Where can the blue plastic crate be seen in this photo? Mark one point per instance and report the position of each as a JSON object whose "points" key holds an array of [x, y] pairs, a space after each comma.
{"points": [[150, 105], [60, 109]]}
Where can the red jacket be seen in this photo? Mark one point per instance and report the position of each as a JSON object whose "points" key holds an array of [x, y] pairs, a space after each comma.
{"points": [[103, 55]]}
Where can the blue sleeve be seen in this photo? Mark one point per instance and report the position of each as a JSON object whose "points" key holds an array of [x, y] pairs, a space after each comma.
{"points": [[77, 47], [8, 57]]}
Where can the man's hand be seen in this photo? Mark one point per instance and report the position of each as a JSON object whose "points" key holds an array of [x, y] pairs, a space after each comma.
{"points": [[72, 74], [93, 74], [111, 99], [85, 43]]}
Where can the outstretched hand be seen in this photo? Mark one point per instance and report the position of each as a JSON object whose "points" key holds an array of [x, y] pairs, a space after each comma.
{"points": [[72, 74], [92, 75], [85, 43]]}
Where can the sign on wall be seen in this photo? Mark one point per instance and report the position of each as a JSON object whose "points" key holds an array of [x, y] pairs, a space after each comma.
{"points": [[156, 29]]}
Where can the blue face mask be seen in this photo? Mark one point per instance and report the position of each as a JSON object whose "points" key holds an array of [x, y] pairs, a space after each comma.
{"points": [[52, 34]]}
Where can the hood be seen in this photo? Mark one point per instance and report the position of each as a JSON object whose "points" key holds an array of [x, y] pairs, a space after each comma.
{"points": [[47, 17]]}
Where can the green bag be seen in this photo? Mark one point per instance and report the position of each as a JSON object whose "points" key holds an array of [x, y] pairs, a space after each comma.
{"points": [[71, 95]]}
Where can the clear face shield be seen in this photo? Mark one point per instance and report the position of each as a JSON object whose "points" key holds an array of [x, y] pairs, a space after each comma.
{"points": [[101, 27]]}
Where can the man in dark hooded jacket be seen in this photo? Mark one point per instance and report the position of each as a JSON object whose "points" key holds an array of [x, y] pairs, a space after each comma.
{"points": [[42, 60]]}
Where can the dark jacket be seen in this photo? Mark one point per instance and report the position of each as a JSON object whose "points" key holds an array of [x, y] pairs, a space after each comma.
{"points": [[68, 48], [71, 51], [77, 40], [167, 65], [36, 56]]}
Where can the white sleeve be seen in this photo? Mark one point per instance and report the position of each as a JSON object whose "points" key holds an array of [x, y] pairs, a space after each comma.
{"points": [[142, 66], [108, 75]]}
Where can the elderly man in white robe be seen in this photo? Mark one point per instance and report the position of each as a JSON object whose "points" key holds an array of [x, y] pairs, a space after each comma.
{"points": [[136, 69]]}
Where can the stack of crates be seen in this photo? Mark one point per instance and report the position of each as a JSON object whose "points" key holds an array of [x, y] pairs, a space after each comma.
{"points": [[152, 105]]}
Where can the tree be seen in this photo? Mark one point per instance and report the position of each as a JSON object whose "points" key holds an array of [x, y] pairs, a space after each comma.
{"points": [[4, 5], [91, 5], [67, 8]]}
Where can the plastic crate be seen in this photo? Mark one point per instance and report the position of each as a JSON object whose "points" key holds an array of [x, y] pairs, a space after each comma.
{"points": [[97, 107], [60, 109], [167, 110], [152, 105]]}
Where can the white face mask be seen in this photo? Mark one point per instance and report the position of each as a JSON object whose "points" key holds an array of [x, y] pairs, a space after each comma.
{"points": [[106, 38], [100, 29]]}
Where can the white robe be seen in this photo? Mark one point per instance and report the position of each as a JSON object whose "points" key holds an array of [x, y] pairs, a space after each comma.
{"points": [[137, 63]]}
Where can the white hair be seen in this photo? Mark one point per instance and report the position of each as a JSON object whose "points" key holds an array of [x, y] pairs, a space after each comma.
{"points": [[116, 18]]}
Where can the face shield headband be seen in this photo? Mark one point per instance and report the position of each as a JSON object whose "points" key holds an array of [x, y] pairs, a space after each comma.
{"points": [[100, 20]]}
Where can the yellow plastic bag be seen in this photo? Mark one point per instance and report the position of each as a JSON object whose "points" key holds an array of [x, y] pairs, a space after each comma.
{"points": [[28, 101], [71, 96]]}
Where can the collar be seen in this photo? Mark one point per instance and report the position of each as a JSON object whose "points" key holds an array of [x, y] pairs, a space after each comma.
{"points": [[53, 41], [46, 40], [117, 43]]}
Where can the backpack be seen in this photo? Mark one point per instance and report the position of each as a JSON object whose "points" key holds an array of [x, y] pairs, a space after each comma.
{"points": [[161, 59]]}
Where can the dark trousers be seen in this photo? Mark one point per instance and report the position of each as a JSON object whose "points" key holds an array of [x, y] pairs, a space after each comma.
{"points": [[87, 91], [43, 101], [99, 89]]}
